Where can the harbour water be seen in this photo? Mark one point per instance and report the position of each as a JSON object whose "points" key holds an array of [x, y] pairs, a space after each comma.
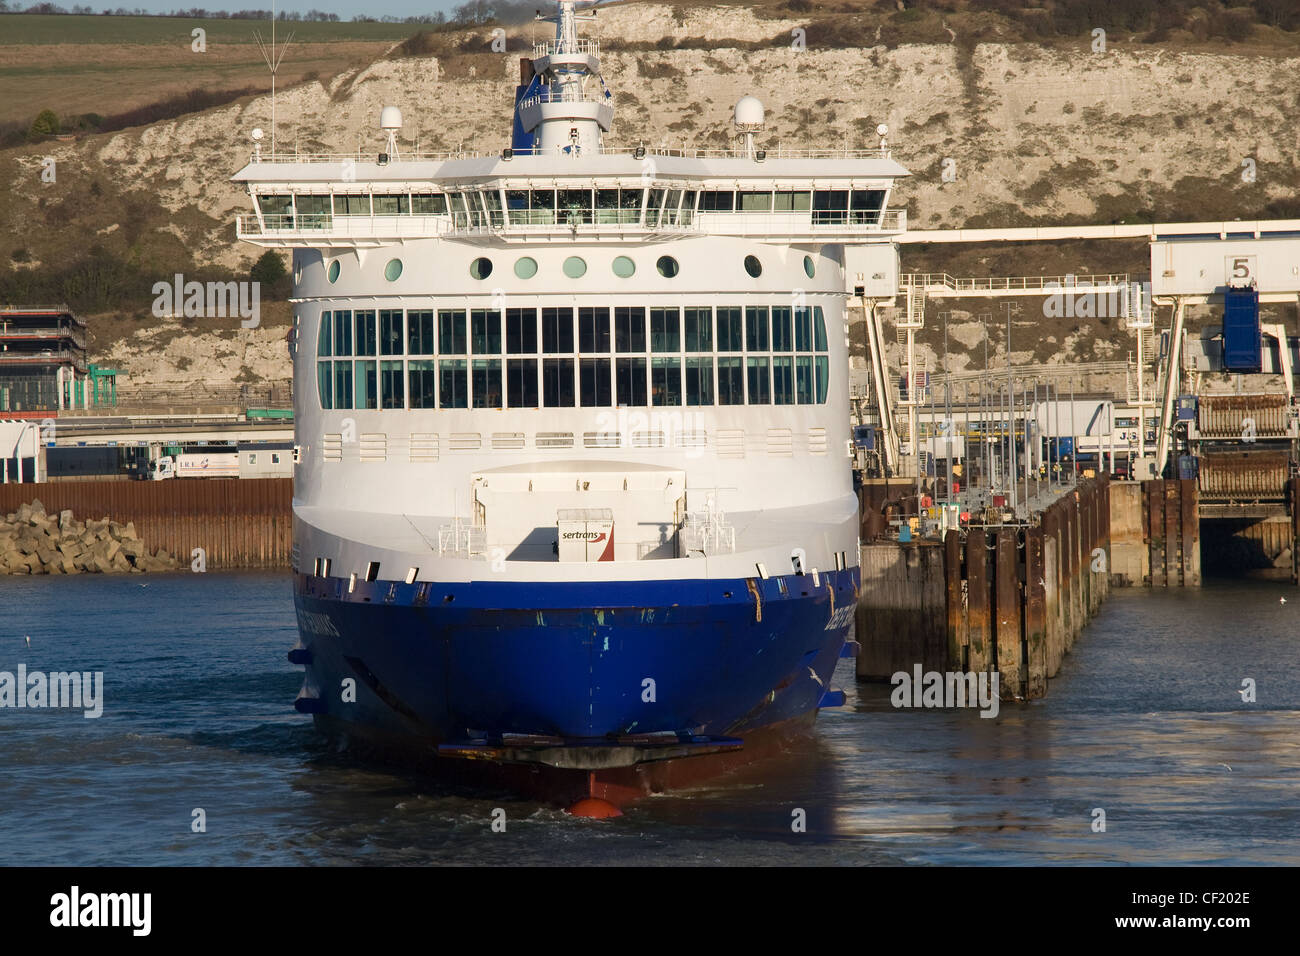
{"points": [[1146, 722]]}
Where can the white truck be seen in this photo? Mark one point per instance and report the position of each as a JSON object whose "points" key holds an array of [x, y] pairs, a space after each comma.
{"points": [[195, 465]]}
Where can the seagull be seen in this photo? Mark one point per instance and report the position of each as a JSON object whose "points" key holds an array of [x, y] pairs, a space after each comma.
{"points": [[1281, 600], [142, 585], [29, 639], [1225, 765]]}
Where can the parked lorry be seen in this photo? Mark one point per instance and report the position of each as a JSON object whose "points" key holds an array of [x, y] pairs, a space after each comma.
{"points": [[195, 465]]}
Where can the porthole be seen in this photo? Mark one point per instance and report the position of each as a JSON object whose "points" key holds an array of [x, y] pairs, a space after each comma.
{"points": [[575, 267], [667, 266], [753, 266], [333, 273], [393, 270], [525, 267], [624, 267], [480, 268], [809, 268]]}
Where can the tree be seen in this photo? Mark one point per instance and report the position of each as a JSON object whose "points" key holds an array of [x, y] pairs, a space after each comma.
{"points": [[45, 124], [269, 269]]}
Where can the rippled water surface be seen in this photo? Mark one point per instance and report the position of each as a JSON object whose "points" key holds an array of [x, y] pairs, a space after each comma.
{"points": [[1145, 722]]}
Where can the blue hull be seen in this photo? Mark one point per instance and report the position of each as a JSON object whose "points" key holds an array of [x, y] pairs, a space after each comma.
{"points": [[436, 664]]}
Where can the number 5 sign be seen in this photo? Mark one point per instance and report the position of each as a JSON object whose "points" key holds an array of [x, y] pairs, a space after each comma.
{"points": [[1240, 269]]}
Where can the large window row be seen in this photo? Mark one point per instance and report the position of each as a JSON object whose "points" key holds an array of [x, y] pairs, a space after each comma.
{"points": [[653, 206], [565, 357]]}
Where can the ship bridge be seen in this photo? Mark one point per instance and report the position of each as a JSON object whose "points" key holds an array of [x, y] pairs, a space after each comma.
{"points": [[633, 195]]}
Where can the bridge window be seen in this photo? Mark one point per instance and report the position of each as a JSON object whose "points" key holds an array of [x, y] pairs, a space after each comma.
{"points": [[781, 339], [451, 332], [630, 202], [699, 381], [607, 206], [754, 201], [343, 332], [593, 329], [429, 205], [557, 330], [351, 205], [717, 200], [793, 202], [421, 383], [629, 329], [419, 332], [756, 337], [521, 331], [324, 335], [802, 329], [392, 384], [630, 375], [759, 381], [803, 379], [367, 393], [487, 383], [866, 205], [521, 383], [729, 329], [574, 206], [324, 384], [830, 206], [823, 378], [365, 340], [654, 206], [393, 204], [313, 211], [485, 331], [665, 330], [273, 204], [731, 383], [342, 384], [492, 200], [666, 381], [390, 332], [557, 383], [453, 387], [782, 380], [699, 329], [594, 383], [819, 328]]}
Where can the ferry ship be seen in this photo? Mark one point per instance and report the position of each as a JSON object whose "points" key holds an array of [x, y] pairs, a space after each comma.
{"points": [[573, 494]]}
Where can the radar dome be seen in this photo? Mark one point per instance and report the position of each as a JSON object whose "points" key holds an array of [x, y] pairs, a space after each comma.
{"points": [[749, 111], [390, 117]]}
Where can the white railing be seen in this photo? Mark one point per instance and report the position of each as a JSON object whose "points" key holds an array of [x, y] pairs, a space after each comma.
{"points": [[553, 47], [707, 531], [570, 95], [1067, 283], [545, 222], [637, 152], [458, 539]]}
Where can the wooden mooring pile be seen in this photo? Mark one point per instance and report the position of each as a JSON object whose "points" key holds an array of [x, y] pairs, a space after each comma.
{"points": [[1010, 599]]}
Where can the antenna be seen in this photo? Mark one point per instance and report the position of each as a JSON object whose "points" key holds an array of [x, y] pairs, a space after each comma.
{"points": [[272, 55]]}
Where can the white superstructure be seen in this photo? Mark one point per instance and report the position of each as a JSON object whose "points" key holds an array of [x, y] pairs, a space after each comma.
{"points": [[657, 338]]}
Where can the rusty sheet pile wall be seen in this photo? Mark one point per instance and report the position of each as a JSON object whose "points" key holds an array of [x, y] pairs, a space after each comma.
{"points": [[239, 523], [1173, 533], [1009, 599]]}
